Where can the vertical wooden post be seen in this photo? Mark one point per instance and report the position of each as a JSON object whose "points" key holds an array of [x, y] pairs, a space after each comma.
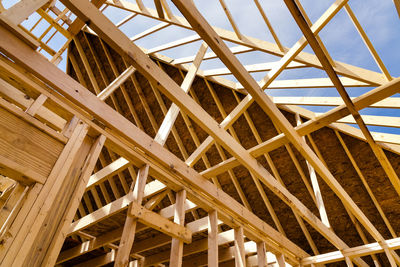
{"points": [[315, 185], [136, 263], [280, 258], [128, 234], [213, 239], [349, 263], [74, 200], [179, 218], [261, 255], [240, 256]]}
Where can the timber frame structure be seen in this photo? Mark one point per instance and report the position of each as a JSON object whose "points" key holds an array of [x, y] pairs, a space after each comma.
{"points": [[132, 158]]}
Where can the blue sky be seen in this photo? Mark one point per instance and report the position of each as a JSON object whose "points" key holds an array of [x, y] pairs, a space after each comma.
{"points": [[378, 18]]}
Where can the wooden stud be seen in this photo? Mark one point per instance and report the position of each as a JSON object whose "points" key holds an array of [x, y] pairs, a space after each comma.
{"points": [[179, 218], [280, 258], [11, 208], [261, 255], [356, 224], [240, 256], [315, 185], [128, 233], [212, 239], [160, 223], [159, 8], [141, 246]]}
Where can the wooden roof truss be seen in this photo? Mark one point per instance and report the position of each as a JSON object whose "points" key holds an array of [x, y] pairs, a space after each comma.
{"points": [[101, 162]]}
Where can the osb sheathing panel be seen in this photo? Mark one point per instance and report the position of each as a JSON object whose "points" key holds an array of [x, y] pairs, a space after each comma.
{"points": [[325, 139]]}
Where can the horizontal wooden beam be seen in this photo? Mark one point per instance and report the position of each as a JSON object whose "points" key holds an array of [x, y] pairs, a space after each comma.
{"points": [[108, 171], [91, 245], [112, 208], [391, 102], [252, 68], [160, 223], [359, 251], [223, 238], [386, 140], [147, 32], [309, 83], [385, 121], [211, 55], [183, 41]]}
